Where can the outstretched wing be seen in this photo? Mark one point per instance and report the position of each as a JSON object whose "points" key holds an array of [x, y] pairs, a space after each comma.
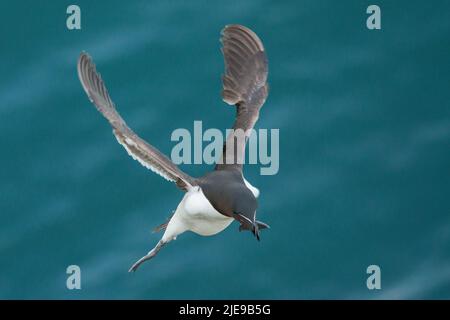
{"points": [[244, 85], [137, 148]]}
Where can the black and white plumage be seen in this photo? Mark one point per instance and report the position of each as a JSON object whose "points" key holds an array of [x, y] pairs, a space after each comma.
{"points": [[214, 200]]}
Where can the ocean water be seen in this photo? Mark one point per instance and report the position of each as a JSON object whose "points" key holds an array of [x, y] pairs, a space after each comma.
{"points": [[364, 178]]}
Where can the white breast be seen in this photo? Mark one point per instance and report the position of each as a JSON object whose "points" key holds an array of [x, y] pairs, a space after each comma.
{"points": [[200, 216]]}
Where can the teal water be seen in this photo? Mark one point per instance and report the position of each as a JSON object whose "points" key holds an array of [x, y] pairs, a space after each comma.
{"points": [[364, 119]]}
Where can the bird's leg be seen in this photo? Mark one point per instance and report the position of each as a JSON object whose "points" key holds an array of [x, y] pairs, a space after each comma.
{"points": [[148, 256], [174, 228]]}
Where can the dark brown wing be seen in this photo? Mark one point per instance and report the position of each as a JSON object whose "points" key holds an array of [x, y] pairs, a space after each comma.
{"points": [[244, 85], [137, 148]]}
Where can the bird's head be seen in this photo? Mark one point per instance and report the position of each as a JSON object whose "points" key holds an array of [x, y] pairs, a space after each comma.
{"points": [[248, 222], [245, 212]]}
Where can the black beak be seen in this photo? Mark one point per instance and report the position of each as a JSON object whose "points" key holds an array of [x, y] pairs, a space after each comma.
{"points": [[254, 227], [255, 230]]}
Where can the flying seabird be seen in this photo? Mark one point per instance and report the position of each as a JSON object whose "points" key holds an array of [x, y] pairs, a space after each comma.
{"points": [[214, 200]]}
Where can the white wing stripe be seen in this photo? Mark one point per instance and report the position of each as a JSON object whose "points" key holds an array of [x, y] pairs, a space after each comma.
{"points": [[140, 160]]}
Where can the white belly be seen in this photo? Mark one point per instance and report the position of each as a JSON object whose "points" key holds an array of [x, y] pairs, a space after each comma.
{"points": [[200, 216]]}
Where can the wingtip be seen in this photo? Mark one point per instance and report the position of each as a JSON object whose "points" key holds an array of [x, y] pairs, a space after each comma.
{"points": [[84, 55], [244, 29], [83, 59]]}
